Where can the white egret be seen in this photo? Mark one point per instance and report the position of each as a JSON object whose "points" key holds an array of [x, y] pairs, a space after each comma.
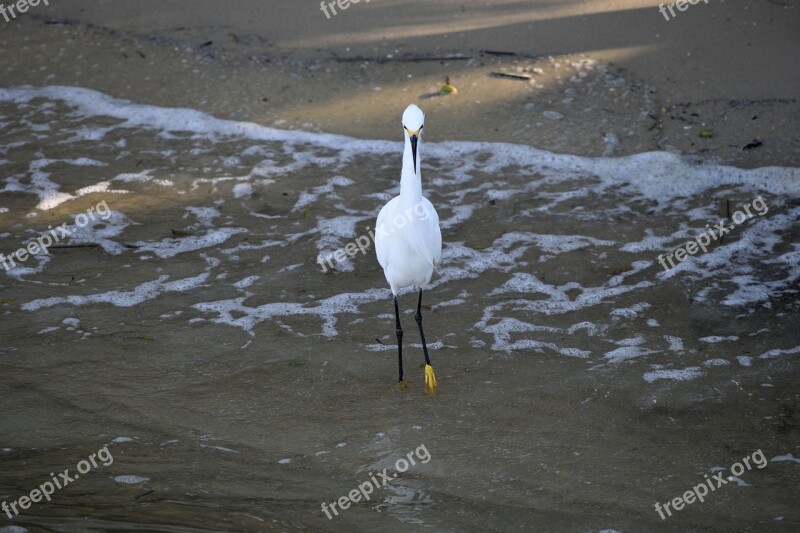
{"points": [[408, 240]]}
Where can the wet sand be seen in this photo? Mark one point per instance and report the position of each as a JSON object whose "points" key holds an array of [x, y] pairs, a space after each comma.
{"points": [[248, 421], [728, 68]]}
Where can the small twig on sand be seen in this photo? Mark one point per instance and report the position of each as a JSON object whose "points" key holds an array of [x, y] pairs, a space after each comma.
{"points": [[523, 77], [508, 54]]}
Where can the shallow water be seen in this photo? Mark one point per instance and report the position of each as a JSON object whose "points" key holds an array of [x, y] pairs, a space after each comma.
{"points": [[579, 382]]}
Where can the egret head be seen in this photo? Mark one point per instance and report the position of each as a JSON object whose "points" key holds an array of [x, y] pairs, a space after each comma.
{"points": [[413, 121]]}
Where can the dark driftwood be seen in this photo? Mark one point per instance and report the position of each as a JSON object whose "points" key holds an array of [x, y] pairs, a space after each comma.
{"points": [[523, 77], [508, 54], [403, 59]]}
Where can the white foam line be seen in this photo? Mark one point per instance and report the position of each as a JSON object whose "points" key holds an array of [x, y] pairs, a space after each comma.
{"points": [[327, 309], [685, 374], [787, 457], [659, 176], [173, 246], [715, 339], [777, 352], [146, 291], [174, 120]]}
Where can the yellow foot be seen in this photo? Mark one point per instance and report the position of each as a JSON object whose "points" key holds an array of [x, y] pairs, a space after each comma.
{"points": [[401, 385], [430, 380]]}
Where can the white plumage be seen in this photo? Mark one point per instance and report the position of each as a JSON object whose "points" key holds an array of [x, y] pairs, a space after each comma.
{"points": [[408, 256], [408, 241]]}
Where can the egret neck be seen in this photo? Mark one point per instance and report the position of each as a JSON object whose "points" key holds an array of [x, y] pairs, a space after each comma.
{"points": [[410, 182]]}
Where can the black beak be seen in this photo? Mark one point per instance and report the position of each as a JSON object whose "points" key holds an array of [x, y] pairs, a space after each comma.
{"points": [[414, 151]]}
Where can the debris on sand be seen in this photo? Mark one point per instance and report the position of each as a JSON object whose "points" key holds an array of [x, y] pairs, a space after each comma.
{"points": [[447, 88], [523, 77]]}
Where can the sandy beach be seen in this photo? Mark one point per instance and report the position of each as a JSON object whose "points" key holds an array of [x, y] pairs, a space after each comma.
{"points": [[201, 157], [727, 67]]}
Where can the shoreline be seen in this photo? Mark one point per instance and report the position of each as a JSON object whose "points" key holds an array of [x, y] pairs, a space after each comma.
{"points": [[584, 104]]}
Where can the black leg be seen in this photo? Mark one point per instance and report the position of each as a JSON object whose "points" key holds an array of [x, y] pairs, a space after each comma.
{"points": [[399, 332], [418, 318], [430, 377]]}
